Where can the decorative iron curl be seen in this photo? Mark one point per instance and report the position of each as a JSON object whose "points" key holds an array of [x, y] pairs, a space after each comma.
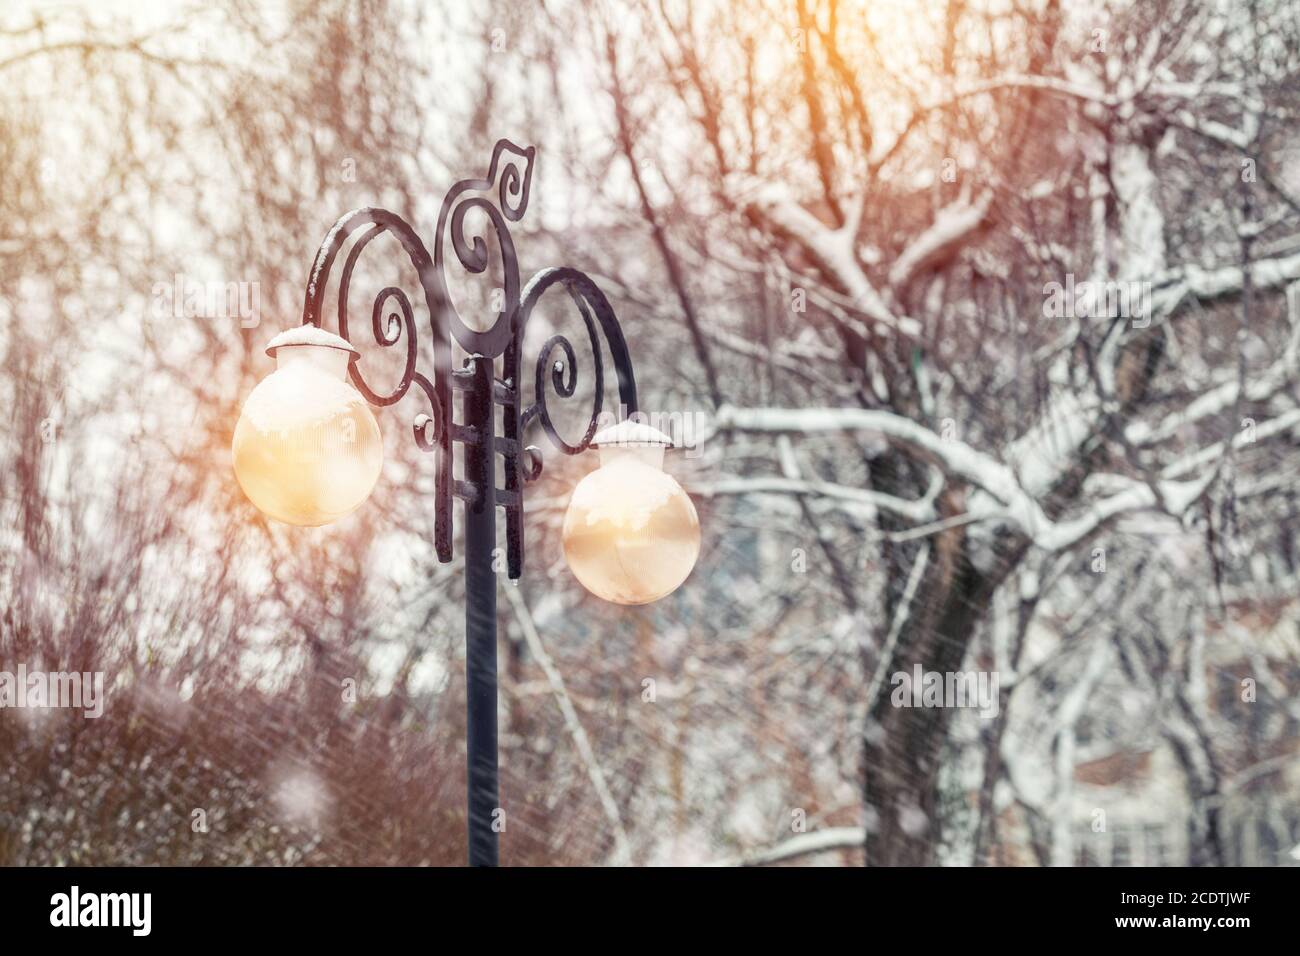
{"points": [[595, 311], [428, 427], [512, 184], [400, 323], [533, 454], [392, 320]]}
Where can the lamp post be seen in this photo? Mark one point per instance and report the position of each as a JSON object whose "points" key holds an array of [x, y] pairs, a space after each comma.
{"points": [[307, 449]]}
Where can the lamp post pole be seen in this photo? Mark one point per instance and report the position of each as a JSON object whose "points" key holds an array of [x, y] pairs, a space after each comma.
{"points": [[481, 624], [501, 197]]}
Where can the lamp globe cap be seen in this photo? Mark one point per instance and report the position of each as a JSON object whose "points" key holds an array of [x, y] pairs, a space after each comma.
{"points": [[310, 335], [631, 433]]}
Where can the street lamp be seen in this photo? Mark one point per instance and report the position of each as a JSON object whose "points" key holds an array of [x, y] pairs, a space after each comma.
{"points": [[307, 448], [631, 534]]}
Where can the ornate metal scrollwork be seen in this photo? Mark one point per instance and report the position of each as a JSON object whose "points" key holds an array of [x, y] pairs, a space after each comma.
{"points": [[596, 311], [472, 251], [508, 182]]}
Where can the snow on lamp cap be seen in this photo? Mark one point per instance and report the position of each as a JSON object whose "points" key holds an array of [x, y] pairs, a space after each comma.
{"points": [[631, 440], [309, 335], [631, 434]]}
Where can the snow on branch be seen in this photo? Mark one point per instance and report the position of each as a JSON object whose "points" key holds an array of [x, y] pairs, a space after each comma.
{"points": [[832, 248], [953, 457], [1175, 496], [805, 844], [1218, 399], [951, 225], [1208, 285], [1282, 424], [859, 501], [1213, 130], [1004, 498], [1049, 448]]}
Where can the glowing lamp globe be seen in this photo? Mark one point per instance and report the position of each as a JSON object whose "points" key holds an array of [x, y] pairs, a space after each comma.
{"points": [[631, 534], [307, 448]]}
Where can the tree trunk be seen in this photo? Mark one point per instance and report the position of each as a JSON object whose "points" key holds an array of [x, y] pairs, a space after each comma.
{"points": [[903, 745]]}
